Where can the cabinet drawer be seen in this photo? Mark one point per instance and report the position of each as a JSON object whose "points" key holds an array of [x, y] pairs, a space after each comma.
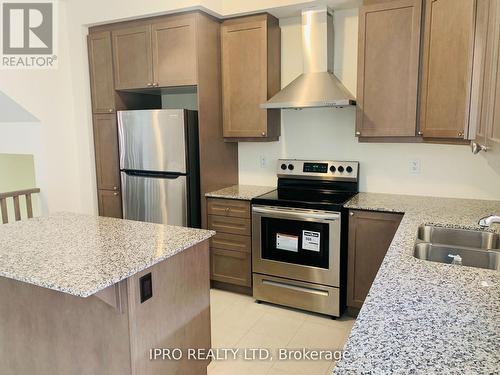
{"points": [[229, 207], [233, 242], [314, 297], [233, 225], [233, 267]]}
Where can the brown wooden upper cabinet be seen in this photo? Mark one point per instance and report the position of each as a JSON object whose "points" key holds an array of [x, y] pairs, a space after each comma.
{"points": [[251, 62], [159, 54], [486, 82], [415, 82], [447, 68], [133, 58], [388, 58], [174, 51], [101, 72]]}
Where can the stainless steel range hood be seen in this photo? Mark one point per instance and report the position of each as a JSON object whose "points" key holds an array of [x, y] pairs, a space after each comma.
{"points": [[317, 86]]}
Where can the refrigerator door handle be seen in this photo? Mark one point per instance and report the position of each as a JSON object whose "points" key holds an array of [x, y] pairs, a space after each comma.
{"points": [[168, 175]]}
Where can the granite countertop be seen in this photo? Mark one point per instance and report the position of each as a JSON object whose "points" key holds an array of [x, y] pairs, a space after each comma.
{"points": [[241, 192], [423, 317], [83, 254]]}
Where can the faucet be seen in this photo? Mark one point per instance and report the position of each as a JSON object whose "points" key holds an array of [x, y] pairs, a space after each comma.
{"points": [[486, 222]]}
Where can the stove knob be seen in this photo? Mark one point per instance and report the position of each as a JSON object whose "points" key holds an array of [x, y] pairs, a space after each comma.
{"points": [[349, 169], [341, 169], [290, 167], [333, 169], [283, 166]]}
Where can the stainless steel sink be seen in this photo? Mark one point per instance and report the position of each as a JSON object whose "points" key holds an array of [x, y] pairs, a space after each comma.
{"points": [[458, 246], [458, 237], [448, 254]]}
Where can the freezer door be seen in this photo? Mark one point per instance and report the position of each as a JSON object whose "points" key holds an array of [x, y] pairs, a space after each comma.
{"points": [[154, 199], [152, 140]]}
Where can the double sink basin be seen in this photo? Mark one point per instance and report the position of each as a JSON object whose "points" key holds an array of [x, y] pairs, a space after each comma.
{"points": [[461, 247]]}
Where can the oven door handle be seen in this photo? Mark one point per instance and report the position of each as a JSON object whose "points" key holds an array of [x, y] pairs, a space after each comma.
{"points": [[271, 212]]}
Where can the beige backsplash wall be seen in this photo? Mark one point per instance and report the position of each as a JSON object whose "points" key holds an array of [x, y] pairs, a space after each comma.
{"points": [[326, 133]]}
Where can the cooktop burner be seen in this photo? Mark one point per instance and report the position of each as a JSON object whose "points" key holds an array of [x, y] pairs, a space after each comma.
{"points": [[321, 185]]}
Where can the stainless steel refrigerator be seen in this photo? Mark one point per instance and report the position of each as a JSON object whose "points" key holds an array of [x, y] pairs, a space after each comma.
{"points": [[159, 164]]}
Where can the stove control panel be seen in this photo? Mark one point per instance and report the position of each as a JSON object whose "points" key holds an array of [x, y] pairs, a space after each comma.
{"points": [[318, 169]]}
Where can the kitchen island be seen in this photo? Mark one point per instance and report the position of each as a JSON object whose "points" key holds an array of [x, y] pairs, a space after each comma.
{"points": [[91, 295], [423, 317]]}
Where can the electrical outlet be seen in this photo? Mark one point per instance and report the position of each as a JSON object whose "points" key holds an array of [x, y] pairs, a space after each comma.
{"points": [[263, 161], [415, 167]]}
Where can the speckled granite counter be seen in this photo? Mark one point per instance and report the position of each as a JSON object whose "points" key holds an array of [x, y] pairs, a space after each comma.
{"points": [[424, 317], [83, 254], [241, 192]]}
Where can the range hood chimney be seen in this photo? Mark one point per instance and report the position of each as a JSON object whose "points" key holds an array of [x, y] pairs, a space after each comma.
{"points": [[317, 86]]}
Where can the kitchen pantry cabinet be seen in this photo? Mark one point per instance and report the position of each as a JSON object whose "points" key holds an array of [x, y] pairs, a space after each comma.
{"points": [[110, 203], [394, 101], [447, 68], [370, 235], [388, 57], [251, 63], [487, 82], [159, 54], [231, 247], [107, 165], [106, 152], [101, 72]]}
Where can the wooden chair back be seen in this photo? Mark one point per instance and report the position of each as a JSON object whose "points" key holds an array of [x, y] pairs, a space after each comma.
{"points": [[17, 208]]}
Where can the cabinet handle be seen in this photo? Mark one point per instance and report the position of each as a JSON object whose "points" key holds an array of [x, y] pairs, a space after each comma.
{"points": [[110, 110], [420, 132], [358, 133], [351, 213], [477, 148], [115, 187], [149, 84], [263, 134], [116, 194], [460, 134], [156, 84]]}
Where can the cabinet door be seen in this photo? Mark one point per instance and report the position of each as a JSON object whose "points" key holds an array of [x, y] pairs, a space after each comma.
{"points": [[493, 122], [232, 267], [110, 203], [481, 81], [174, 52], [370, 235], [106, 152], [101, 72], [228, 207], [244, 79], [447, 68], [388, 58], [132, 57]]}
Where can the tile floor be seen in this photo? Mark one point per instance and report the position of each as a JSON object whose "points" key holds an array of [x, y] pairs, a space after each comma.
{"points": [[239, 322]]}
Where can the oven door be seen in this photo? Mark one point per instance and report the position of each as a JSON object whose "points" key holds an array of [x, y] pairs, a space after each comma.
{"points": [[297, 244]]}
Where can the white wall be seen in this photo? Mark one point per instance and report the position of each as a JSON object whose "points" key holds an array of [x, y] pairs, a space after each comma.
{"points": [[446, 170]]}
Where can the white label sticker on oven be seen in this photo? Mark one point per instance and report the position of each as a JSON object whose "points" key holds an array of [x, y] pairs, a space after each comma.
{"points": [[287, 242], [310, 240]]}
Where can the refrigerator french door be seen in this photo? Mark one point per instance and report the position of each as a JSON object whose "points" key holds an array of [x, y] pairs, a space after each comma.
{"points": [[159, 166]]}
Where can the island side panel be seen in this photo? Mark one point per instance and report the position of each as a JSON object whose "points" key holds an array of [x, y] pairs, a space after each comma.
{"points": [[46, 332], [176, 316]]}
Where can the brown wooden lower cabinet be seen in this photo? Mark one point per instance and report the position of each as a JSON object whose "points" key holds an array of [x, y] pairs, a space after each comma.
{"points": [[230, 266], [370, 235], [231, 247], [110, 203]]}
